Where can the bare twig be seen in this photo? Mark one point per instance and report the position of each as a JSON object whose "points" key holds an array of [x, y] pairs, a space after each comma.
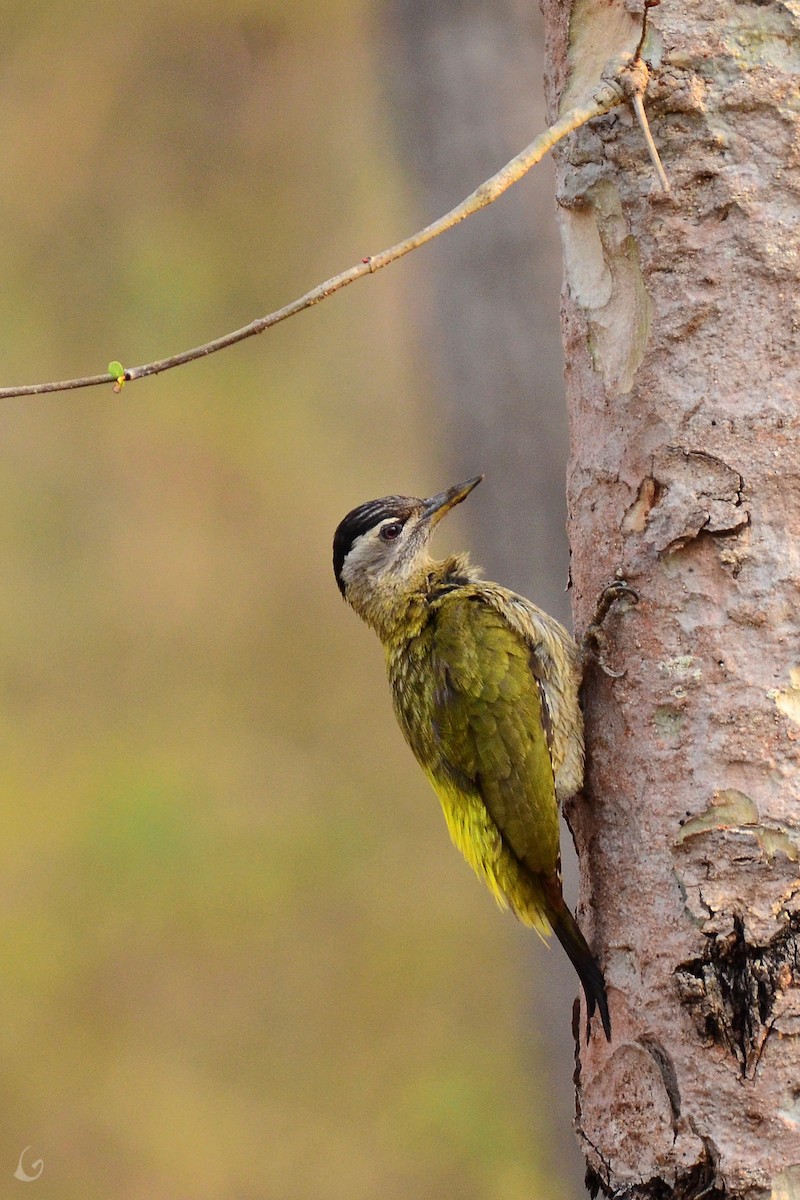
{"points": [[644, 124], [637, 78], [615, 89], [633, 77]]}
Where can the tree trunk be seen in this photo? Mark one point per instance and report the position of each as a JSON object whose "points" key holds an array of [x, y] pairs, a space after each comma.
{"points": [[680, 320]]}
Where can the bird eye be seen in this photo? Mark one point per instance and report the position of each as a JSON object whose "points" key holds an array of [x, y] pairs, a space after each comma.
{"points": [[391, 531]]}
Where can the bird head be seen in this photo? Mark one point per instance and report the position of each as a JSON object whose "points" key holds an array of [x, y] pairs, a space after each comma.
{"points": [[382, 546]]}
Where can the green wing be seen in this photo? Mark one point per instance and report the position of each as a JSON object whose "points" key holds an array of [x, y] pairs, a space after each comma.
{"points": [[492, 728]]}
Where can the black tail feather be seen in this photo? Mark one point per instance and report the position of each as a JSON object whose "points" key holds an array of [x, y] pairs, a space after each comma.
{"points": [[566, 929]]}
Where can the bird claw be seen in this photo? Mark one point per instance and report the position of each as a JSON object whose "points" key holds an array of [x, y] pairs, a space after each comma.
{"points": [[595, 640]]}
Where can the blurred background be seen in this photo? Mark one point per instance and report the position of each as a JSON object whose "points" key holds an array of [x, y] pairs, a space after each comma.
{"points": [[239, 957]]}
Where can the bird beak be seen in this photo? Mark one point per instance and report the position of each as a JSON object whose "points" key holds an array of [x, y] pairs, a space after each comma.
{"points": [[438, 506]]}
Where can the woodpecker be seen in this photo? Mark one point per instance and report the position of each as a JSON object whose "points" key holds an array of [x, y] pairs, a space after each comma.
{"points": [[485, 690]]}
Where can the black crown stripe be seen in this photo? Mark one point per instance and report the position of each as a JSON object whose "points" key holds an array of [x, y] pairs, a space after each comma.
{"points": [[364, 518]]}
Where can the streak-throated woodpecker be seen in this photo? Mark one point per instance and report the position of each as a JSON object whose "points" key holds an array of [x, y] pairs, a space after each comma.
{"points": [[485, 689]]}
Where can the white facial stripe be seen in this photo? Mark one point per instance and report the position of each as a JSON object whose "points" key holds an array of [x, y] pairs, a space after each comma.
{"points": [[365, 555], [371, 559]]}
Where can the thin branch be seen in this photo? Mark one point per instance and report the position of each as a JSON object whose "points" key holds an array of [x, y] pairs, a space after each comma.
{"points": [[636, 79], [644, 124], [614, 90]]}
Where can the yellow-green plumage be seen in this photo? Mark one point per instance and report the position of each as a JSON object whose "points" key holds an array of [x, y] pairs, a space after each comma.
{"points": [[485, 689], [471, 711]]}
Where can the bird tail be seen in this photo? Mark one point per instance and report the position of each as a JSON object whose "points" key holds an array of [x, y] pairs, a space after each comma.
{"points": [[566, 929]]}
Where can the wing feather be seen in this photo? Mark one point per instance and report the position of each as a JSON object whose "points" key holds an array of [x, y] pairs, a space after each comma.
{"points": [[492, 725]]}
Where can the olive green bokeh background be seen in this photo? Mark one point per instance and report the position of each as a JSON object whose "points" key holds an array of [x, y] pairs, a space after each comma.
{"points": [[239, 957]]}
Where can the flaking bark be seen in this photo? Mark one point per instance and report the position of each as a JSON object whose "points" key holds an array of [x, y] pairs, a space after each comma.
{"points": [[680, 320]]}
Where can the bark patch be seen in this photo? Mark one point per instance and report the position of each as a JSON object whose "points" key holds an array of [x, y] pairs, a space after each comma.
{"points": [[693, 493], [634, 1136], [788, 702], [736, 992], [697, 1183], [605, 278], [728, 862]]}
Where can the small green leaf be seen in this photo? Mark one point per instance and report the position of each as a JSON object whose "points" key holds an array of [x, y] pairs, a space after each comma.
{"points": [[116, 369]]}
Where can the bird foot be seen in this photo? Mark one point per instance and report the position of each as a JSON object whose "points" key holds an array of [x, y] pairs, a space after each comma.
{"points": [[595, 640]]}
